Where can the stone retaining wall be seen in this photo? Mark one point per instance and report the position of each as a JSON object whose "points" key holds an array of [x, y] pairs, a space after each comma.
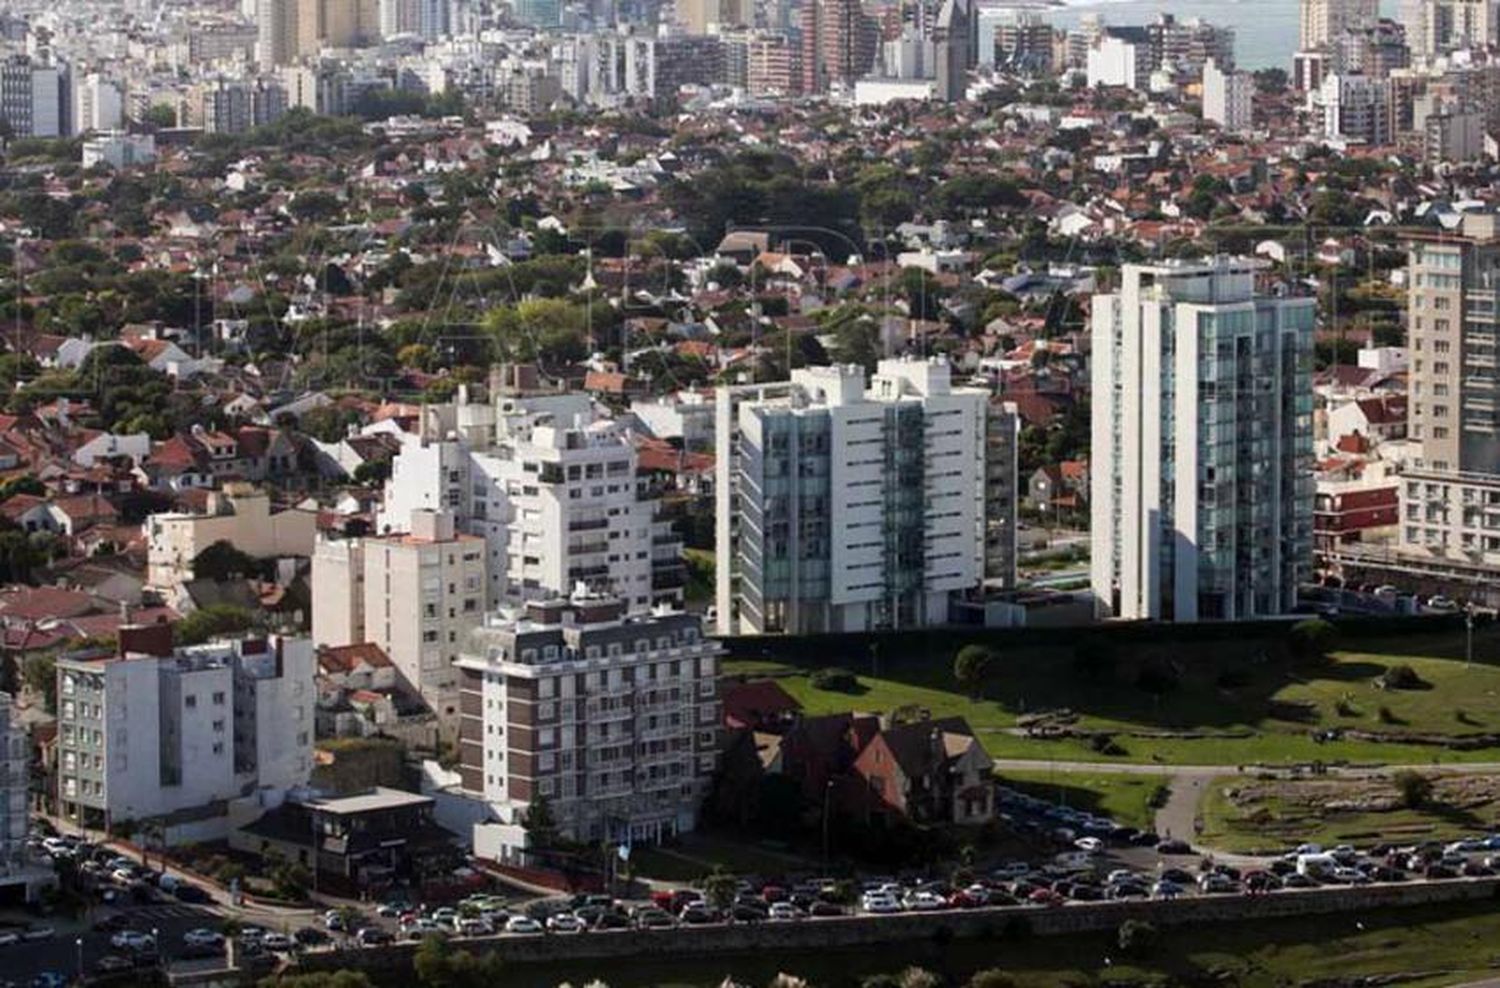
{"points": [[856, 931]]}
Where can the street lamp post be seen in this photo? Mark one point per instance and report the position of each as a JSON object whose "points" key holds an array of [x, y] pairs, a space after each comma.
{"points": [[1468, 636], [827, 797], [78, 954]]}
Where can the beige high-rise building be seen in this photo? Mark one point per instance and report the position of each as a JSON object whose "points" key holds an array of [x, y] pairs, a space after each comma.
{"points": [[277, 23], [336, 24], [1324, 21], [697, 16], [1437, 27], [417, 595]]}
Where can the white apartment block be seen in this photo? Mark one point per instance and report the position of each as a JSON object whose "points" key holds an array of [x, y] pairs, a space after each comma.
{"points": [[417, 595], [1228, 98], [1356, 108], [847, 507], [179, 737], [612, 719], [552, 491], [1201, 472]]}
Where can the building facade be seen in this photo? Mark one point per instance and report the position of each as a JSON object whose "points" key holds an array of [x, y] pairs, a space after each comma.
{"points": [[611, 720], [844, 507], [1201, 479], [417, 595], [177, 735], [1450, 495], [1228, 98], [1323, 22], [553, 493]]}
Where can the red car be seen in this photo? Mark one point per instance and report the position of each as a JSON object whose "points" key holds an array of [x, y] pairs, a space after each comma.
{"points": [[773, 893], [1045, 897]]}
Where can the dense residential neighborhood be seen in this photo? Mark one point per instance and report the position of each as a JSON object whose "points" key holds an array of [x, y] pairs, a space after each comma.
{"points": [[860, 493]]}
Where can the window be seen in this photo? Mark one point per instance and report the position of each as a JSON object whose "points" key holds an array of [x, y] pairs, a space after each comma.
{"points": [[218, 727], [218, 699], [190, 701]]}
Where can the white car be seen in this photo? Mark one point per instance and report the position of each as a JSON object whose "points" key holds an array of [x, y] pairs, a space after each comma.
{"points": [[522, 924], [565, 923], [924, 901], [475, 928], [782, 912], [203, 938], [1092, 845], [131, 940], [278, 942], [879, 903], [9, 937], [419, 928]]}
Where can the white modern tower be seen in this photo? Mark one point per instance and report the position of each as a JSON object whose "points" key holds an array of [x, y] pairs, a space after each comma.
{"points": [[1201, 472]]}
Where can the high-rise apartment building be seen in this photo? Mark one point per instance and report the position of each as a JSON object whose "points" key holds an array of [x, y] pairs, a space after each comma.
{"points": [[15, 786], [178, 734], [417, 595], [1228, 98], [336, 24], [1356, 108], [613, 720], [771, 66], [277, 24], [1002, 431], [1437, 27], [847, 507], [1323, 22], [1201, 473], [427, 19], [97, 104], [1450, 496], [553, 492], [839, 43], [35, 97]]}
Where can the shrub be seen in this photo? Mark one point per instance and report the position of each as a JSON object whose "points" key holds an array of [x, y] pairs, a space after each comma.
{"points": [[1346, 707], [991, 978], [834, 680], [1312, 639], [1415, 789], [1401, 677], [1386, 715], [1137, 938], [1159, 797]]}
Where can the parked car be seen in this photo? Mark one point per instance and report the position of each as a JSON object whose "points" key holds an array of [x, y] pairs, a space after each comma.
{"points": [[565, 923], [310, 936], [203, 938], [373, 936], [522, 925], [131, 940], [278, 942]]}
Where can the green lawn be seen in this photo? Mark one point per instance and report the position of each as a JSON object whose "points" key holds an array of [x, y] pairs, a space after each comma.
{"points": [[1433, 946], [1126, 799], [1249, 704], [1243, 814], [697, 855]]}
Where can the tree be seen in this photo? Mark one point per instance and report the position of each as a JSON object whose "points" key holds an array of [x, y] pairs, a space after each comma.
{"points": [[972, 666], [1312, 639], [918, 977], [40, 676], [222, 561], [159, 115], [24, 484], [719, 887], [342, 978], [540, 825], [1414, 788], [991, 978], [438, 965], [212, 621]]}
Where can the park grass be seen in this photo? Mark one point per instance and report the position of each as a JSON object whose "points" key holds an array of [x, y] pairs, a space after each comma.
{"points": [[697, 855], [1437, 945], [1280, 820], [1249, 704], [1126, 799]]}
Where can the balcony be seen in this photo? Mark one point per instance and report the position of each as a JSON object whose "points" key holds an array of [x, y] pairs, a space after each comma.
{"points": [[587, 524]]}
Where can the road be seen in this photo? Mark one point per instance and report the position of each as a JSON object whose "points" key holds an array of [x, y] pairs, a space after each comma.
{"points": [[1179, 817]]}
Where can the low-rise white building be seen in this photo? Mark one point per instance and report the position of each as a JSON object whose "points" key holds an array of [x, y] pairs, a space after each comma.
{"points": [[183, 737]]}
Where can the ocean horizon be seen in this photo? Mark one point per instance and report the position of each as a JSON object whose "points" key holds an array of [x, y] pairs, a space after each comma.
{"points": [[1265, 30]]}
